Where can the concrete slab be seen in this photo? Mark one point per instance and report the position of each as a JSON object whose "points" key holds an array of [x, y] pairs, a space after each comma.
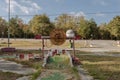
{"points": [[8, 66]]}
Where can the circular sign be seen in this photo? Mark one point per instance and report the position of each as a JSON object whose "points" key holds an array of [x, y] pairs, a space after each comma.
{"points": [[57, 37], [70, 33]]}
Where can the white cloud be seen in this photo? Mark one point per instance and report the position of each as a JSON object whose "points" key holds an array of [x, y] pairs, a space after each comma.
{"points": [[3, 17], [36, 5], [100, 14], [77, 14], [25, 6]]}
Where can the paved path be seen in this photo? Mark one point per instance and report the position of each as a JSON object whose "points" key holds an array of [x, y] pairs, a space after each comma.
{"points": [[8, 66], [24, 78], [100, 46], [102, 54]]}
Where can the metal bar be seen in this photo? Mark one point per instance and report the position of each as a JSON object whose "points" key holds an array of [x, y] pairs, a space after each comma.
{"points": [[48, 37]]}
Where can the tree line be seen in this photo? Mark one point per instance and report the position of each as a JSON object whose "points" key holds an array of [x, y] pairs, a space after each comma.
{"points": [[41, 25]]}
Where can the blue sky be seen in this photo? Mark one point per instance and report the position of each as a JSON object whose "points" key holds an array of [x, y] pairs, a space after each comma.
{"points": [[101, 10]]}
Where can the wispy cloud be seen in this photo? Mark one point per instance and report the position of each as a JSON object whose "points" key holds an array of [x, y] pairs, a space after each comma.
{"points": [[100, 2], [100, 14], [77, 14], [59, 0], [25, 6]]}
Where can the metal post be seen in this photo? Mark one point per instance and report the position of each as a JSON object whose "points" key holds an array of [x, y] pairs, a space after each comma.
{"points": [[43, 42], [74, 46], [9, 24], [43, 47]]}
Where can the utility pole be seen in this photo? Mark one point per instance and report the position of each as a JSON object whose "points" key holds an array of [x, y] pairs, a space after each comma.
{"points": [[9, 24]]}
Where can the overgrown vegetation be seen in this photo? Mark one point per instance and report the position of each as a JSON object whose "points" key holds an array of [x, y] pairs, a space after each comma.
{"points": [[62, 65], [101, 67], [36, 74], [9, 76], [58, 62]]}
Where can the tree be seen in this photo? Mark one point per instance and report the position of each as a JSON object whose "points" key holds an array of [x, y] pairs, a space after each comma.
{"points": [[3, 27], [40, 24], [83, 30], [26, 30], [94, 30], [88, 29], [65, 22], [114, 27], [104, 33], [16, 25]]}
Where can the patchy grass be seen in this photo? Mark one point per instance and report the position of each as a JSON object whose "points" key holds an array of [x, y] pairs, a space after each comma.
{"points": [[67, 74], [85, 52], [32, 64], [9, 76], [101, 67], [113, 52], [21, 51], [74, 70], [55, 76], [77, 52], [97, 58]]}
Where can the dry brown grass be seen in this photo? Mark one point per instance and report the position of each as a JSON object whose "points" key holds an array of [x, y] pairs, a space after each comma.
{"points": [[38, 43]]}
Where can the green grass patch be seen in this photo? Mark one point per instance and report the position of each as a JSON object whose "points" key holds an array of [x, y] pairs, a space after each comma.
{"points": [[58, 62], [54, 76]]}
